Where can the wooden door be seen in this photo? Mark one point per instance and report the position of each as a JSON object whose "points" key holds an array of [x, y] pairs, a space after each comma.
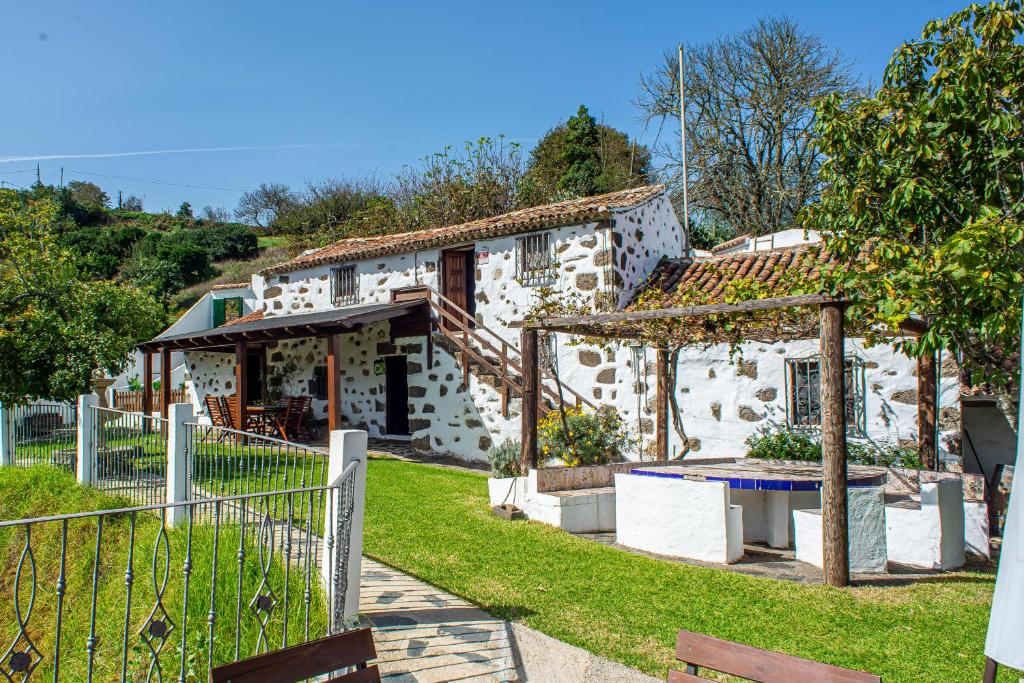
{"points": [[455, 279]]}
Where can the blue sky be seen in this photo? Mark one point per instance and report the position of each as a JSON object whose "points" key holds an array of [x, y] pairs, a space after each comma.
{"points": [[302, 91]]}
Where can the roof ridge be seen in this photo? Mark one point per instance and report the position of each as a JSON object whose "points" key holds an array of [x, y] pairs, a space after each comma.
{"points": [[535, 217]]}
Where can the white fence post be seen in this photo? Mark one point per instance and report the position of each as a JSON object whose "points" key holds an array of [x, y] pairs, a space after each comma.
{"points": [[177, 461], [347, 446], [6, 436], [86, 448]]}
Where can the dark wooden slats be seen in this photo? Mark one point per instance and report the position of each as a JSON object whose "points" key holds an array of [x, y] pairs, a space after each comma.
{"points": [[352, 648], [762, 666]]}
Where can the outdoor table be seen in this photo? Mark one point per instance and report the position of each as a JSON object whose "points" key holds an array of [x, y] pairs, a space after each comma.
{"points": [[781, 483], [266, 414]]}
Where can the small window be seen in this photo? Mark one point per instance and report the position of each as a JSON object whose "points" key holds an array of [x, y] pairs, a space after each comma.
{"points": [[344, 285], [318, 385], [803, 394], [535, 260], [226, 310]]}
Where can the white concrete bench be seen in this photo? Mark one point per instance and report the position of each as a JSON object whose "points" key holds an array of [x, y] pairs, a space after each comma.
{"points": [[678, 518], [866, 514], [928, 532]]}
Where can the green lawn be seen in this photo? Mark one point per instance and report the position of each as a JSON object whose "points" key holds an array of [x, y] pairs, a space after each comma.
{"points": [[27, 492], [434, 523]]}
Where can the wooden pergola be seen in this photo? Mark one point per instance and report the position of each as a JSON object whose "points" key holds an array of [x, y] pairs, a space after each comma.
{"points": [[406, 317], [833, 406]]}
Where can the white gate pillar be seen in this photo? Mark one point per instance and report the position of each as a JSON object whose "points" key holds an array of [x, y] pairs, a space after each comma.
{"points": [[347, 446], [86, 448], [6, 436], [177, 461]]}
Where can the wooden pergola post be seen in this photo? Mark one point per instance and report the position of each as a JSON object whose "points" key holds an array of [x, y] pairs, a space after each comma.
{"points": [[147, 383], [926, 384], [834, 521], [661, 404], [165, 381], [528, 349], [242, 384], [333, 383]]}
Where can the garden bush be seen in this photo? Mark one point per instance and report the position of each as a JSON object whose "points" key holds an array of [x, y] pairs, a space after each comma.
{"points": [[504, 459], [592, 438], [783, 444]]}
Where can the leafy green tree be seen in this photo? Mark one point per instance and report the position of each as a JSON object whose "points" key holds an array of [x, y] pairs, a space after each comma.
{"points": [[56, 325], [620, 163], [923, 190], [87, 193], [185, 212]]}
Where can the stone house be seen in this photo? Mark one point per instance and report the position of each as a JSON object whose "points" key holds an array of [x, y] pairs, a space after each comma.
{"points": [[408, 337]]}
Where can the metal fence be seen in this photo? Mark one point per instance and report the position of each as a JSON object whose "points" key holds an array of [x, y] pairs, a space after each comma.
{"points": [[44, 434], [130, 451], [227, 462], [124, 595]]}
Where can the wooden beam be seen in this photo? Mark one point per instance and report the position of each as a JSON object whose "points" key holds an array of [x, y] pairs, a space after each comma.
{"points": [[242, 384], [333, 383], [661, 403], [834, 522], [685, 312], [147, 383], [528, 412], [165, 382], [926, 385]]}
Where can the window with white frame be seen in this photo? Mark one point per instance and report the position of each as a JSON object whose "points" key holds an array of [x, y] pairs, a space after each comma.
{"points": [[344, 285], [535, 259], [803, 394]]}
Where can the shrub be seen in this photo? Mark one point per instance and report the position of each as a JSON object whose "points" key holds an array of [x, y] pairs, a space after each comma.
{"points": [[783, 445], [592, 438], [504, 459]]}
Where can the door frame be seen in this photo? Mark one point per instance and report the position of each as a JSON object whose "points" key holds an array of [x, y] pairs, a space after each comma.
{"points": [[389, 396]]}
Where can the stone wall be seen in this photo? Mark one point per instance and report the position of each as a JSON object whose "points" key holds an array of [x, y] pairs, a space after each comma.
{"points": [[641, 236]]}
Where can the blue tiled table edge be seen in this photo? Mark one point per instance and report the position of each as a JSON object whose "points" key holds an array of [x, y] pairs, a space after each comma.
{"points": [[748, 484]]}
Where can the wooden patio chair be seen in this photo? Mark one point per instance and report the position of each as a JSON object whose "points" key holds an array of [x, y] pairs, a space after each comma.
{"points": [[252, 423], [292, 423], [315, 658], [754, 664], [218, 415]]}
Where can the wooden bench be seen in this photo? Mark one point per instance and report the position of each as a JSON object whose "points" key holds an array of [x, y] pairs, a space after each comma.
{"points": [[762, 666], [299, 662]]}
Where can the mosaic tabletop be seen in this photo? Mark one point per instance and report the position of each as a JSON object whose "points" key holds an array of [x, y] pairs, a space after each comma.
{"points": [[763, 476]]}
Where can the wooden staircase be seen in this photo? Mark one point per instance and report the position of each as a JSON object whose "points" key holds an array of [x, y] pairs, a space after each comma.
{"points": [[491, 358]]}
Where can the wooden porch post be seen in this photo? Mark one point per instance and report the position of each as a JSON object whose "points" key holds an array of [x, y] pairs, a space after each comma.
{"points": [[333, 383], [147, 383], [165, 381], [835, 528], [241, 384], [926, 383], [528, 349], [661, 403]]}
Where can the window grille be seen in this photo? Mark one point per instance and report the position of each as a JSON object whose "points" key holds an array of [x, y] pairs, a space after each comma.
{"points": [[344, 285], [803, 394], [535, 259]]}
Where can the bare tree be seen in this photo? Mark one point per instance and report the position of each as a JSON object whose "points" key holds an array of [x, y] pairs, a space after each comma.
{"points": [[753, 161], [261, 206], [215, 214]]}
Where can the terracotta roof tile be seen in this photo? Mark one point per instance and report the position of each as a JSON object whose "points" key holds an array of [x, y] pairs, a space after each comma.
{"points": [[712, 275], [728, 244], [247, 318], [549, 215]]}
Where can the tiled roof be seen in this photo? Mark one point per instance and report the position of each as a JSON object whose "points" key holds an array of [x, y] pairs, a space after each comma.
{"points": [[712, 275], [231, 285], [729, 244], [549, 215], [247, 318]]}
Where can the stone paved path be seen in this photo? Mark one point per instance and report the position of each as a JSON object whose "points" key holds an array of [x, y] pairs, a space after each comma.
{"points": [[423, 634]]}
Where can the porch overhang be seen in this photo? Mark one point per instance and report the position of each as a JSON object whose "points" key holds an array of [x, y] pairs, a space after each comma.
{"points": [[321, 324]]}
